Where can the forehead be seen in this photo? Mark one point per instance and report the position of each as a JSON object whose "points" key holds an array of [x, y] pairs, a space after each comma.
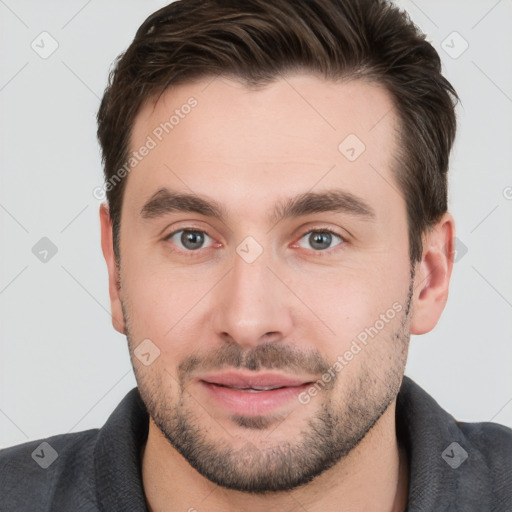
{"points": [[217, 137]]}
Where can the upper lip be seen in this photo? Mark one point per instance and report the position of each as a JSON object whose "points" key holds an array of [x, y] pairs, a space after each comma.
{"points": [[244, 380]]}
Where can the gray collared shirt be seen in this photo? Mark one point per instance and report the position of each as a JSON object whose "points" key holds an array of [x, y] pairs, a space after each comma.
{"points": [[453, 466]]}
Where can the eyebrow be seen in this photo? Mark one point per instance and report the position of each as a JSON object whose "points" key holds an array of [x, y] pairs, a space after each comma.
{"points": [[166, 201]]}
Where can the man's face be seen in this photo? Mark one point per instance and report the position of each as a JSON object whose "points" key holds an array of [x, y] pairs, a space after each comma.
{"points": [[257, 300]]}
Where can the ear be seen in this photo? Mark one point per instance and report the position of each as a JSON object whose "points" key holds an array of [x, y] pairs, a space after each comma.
{"points": [[432, 278], [107, 246]]}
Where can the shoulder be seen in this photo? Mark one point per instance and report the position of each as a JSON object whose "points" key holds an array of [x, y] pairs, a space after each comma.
{"points": [[492, 439], [465, 466], [36, 473], [491, 445]]}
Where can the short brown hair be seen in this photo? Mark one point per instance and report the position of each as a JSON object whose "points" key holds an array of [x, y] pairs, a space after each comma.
{"points": [[257, 40]]}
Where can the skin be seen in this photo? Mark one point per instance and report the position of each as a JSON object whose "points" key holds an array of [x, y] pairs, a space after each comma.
{"points": [[249, 149]]}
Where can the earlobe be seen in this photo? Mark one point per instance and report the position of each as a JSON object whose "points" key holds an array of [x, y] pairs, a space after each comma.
{"points": [[113, 273], [433, 274]]}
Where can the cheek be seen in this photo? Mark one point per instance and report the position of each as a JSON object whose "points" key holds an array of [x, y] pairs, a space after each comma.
{"points": [[164, 302], [356, 303]]}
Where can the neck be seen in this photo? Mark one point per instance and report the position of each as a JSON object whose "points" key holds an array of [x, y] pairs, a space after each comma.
{"points": [[373, 477]]}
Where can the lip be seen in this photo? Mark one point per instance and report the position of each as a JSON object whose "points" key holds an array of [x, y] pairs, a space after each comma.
{"points": [[240, 380], [234, 392]]}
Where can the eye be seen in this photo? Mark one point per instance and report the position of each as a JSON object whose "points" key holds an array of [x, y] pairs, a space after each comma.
{"points": [[190, 239], [321, 240]]}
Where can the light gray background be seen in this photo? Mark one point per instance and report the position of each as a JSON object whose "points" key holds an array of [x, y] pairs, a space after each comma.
{"points": [[63, 368]]}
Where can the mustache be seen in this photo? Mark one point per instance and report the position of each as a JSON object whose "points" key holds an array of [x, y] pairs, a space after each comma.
{"points": [[269, 356]]}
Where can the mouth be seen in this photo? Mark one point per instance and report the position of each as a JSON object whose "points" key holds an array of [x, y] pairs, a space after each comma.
{"points": [[250, 389], [253, 395], [260, 381]]}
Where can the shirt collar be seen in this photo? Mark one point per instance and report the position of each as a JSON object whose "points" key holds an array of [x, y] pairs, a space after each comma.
{"points": [[433, 438], [117, 457]]}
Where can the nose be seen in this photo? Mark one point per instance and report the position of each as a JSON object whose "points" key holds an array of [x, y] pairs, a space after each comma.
{"points": [[252, 305]]}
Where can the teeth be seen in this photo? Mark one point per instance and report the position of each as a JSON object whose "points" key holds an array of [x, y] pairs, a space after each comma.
{"points": [[256, 389]]}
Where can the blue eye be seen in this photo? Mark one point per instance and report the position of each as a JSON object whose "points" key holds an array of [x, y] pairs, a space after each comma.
{"points": [[191, 240], [321, 240]]}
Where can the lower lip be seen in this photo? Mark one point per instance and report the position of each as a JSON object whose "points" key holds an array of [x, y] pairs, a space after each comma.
{"points": [[248, 403]]}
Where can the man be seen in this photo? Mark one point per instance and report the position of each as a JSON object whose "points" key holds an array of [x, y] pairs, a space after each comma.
{"points": [[276, 229]]}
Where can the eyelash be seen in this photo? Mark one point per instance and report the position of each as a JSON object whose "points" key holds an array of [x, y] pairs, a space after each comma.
{"points": [[316, 230]]}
